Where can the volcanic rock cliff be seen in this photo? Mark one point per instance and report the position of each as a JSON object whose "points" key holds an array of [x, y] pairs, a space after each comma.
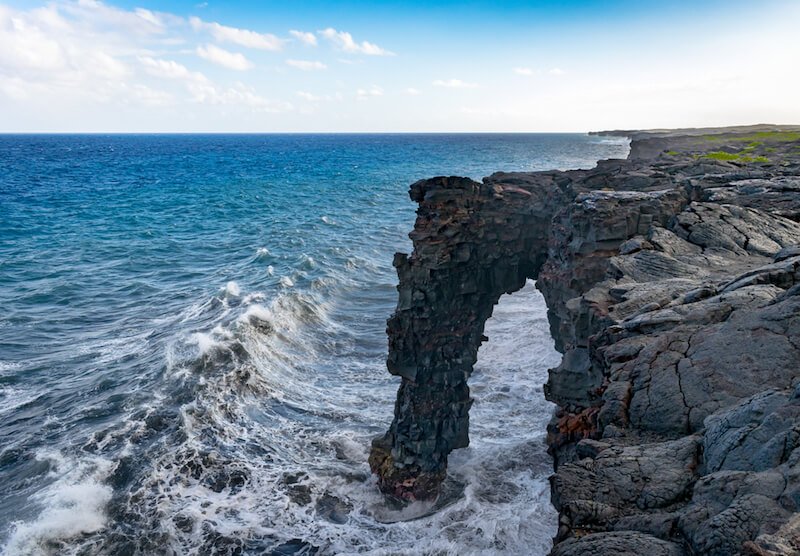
{"points": [[672, 281]]}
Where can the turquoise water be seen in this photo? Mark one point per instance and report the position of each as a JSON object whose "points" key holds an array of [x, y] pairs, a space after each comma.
{"points": [[192, 346]]}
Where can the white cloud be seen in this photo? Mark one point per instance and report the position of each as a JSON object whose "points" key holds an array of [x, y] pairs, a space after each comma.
{"points": [[306, 65], [310, 97], [305, 37], [231, 60], [523, 71], [412, 91], [454, 84], [169, 69], [149, 16], [556, 72], [203, 91], [239, 94], [374, 91], [344, 41], [151, 97], [103, 18], [242, 37], [44, 53]]}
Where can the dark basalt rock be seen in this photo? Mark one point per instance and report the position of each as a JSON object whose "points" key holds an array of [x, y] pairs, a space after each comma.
{"points": [[672, 285]]}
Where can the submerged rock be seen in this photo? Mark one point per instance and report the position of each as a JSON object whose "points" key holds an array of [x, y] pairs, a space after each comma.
{"points": [[672, 285]]}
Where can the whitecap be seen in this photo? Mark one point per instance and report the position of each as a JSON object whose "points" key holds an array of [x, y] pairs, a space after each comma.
{"points": [[253, 297], [74, 505], [6, 366], [287, 282], [206, 342], [232, 289]]}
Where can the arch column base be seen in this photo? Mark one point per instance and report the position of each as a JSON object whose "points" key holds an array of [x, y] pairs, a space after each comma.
{"points": [[409, 482]]}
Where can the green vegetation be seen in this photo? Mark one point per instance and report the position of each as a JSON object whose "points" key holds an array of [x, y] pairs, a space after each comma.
{"points": [[672, 153], [770, 136], [722, 155], [735, 157], [752, 146]]}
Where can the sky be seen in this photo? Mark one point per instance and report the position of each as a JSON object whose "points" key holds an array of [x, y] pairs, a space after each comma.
{"points": [[410, 66]]}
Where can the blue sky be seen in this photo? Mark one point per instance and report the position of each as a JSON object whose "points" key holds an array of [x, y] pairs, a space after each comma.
{"points": [[139, 66]]}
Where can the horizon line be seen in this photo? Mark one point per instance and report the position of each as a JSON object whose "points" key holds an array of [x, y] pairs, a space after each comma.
{"points": [[294, 132]]}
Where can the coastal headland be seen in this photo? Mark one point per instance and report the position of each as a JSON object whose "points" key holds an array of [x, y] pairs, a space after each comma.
{"points": [[672, 281]]}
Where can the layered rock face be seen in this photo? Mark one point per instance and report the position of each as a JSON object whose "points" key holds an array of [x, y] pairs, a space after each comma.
{"points": [[672, 281]]}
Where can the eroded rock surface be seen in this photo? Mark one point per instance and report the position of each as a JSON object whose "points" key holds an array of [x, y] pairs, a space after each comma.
{"points": [[672, 282]]}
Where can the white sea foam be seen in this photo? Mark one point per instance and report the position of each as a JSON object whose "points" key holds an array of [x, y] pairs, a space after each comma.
{"points": [[12, 398], [312, 414], [206, 342], [232, 289], [287, 282], [254, 298], [74, 504], [6, 366], [501, 507], [257, 313]]}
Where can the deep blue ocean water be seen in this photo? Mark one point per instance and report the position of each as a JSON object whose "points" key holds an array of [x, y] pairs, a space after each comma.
{"points": [[192, 346]]}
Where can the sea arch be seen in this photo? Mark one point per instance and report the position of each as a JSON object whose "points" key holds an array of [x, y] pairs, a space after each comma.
{"points": [[473, 242]]}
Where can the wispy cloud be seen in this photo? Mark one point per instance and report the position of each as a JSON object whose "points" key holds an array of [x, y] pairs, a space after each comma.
{"points": [[138, 22], [344, 41], [523, 71], [242, 37], [220, 56], [203, 91], [411, 91], [151, 97], [304, 37], [170, 69], [374, 91], [556, 71], [306, 65], [454, 84], [310, 97]]}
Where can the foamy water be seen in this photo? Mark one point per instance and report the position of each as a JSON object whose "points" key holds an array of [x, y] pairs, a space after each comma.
{"points": [[194, 349]]}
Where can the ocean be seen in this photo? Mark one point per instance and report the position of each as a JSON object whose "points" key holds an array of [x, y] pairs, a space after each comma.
{"points": [[192, 347]]}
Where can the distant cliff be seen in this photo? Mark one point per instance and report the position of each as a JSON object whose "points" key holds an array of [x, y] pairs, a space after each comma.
{"points": [[672, 281]]}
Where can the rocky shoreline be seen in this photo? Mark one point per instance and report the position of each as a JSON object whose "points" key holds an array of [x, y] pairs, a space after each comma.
{"points": [[672, 281]]}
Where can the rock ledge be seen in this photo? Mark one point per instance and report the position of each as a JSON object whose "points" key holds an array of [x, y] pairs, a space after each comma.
{"points": [[672, 281]]}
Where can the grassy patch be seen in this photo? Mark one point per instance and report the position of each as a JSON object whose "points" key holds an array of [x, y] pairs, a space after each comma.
{"points": [[770, 136], [722, 155], [672, 153], [735, 157], [748, 159]]}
